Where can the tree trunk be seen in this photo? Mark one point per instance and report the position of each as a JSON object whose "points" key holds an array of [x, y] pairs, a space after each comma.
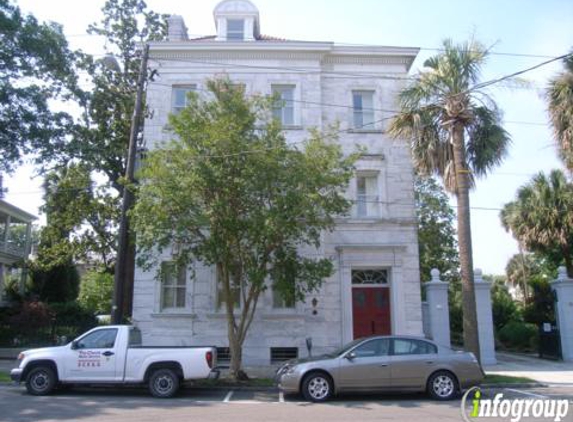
{"points": [[233, 334], [471, 338], [236, 350]]}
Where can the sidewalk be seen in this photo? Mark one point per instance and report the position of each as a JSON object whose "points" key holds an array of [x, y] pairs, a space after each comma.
{"points": [[541, 370], [7, 364]]}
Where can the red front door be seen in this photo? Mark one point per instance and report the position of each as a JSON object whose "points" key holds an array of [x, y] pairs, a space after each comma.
{"points": [[371, 311]]}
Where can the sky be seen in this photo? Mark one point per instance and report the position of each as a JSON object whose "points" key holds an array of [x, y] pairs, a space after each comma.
{"points": [[522, 28]]}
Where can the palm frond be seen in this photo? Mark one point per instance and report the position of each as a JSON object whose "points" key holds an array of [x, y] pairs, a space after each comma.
{"points": [[560, 107], [487, 141]]}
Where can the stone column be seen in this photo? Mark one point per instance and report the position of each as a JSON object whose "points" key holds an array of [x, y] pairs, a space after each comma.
{"points": [[563, 288], [484, 319], [438, 309]]}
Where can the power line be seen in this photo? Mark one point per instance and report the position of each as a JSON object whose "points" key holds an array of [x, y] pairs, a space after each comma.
{"points": [[346, 106], [519, 72]]}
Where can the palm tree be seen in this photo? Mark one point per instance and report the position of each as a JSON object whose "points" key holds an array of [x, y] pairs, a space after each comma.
{"points": [[455, 133], [540, 217], [560, 98]]}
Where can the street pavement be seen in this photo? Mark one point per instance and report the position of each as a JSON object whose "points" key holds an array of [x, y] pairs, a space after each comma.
{"points": [[222, 405]]}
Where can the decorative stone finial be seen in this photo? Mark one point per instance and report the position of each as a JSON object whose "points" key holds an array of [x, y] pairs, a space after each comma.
{"points": [[478, 275], [435, 273], [562, 274]]}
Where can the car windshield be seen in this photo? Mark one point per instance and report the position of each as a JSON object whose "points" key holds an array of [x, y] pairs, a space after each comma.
{"points": [[345, 348]]}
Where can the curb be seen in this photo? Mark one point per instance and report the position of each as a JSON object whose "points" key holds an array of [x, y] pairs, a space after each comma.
{"points": [[515, 385], [185, 386]]}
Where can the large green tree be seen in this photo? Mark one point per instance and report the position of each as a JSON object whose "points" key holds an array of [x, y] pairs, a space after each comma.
{"points": [[560, 105], [231, 193], [436, 232], [540, 217], [98, 141], [35, 67], [455, 133], [80, 217]]}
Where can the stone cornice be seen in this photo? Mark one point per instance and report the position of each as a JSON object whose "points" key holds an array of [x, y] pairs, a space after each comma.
{"points": [[325, 52], [222, 55]]}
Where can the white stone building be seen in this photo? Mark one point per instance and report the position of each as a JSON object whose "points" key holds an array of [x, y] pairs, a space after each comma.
{"points": [[376, 286]]}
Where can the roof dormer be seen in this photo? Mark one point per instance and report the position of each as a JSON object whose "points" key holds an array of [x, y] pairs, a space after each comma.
{"points": [[236, 20]]}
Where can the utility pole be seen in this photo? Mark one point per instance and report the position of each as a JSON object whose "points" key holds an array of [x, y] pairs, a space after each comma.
{"points": [[125, 262]]}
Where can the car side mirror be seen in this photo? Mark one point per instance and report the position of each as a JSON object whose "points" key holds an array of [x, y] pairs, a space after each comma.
{"points": [[75, 345], [350, 356]]}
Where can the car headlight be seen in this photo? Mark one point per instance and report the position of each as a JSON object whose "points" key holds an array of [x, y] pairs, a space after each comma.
{"points": [[21, 356], [286, 370], [474, 359]]}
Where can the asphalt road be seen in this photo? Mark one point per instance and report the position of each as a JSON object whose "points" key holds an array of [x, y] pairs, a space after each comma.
{"points": [[193, 404]]}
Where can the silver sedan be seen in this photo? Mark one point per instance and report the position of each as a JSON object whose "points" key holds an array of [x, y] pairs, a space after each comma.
{"points": [[382, 363]]}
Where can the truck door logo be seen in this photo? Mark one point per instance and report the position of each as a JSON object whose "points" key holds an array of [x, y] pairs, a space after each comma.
{"points": [[89, 358]]}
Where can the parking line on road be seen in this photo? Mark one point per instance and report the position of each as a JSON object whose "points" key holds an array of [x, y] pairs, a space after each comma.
{"points": [[527, 393], [281, 397], [228, 396]]}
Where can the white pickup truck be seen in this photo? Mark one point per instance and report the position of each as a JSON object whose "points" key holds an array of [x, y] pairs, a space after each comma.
{"points": [[113, 355]]}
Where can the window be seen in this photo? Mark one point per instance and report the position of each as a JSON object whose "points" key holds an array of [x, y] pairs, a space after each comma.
{"points": [[223, 354], [367, 202], [284, 300], [369, 276], [179, 98], [280, 354], [173, 285], [235, 293], [100, 339], [363, 109], [134, 337], [235, 29], [283, 109], [379, 347], [413, 347]]}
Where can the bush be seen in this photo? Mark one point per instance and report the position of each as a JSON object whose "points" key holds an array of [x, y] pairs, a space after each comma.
{"points": [[59, 283], [31, 316], [519, 336], [96, 291], [456, 317], [504, 309], [27, 323], [73, 314]]}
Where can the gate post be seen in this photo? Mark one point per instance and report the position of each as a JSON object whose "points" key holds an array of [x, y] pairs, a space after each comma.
{"points": [[438, 309], [563, 288], [484, 319]]}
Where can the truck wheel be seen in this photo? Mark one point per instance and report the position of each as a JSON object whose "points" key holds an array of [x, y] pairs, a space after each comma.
{"points": [[163, 383], [40, 381]]}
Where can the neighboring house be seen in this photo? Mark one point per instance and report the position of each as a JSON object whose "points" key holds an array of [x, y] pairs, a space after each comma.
{"points": [[15, 243], [376, 286]]}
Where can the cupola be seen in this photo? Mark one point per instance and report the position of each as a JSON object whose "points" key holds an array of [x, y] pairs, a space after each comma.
{"points": [[236, 20]]}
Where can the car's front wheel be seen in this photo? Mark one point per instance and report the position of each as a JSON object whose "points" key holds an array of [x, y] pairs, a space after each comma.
{"points": [[443, 385], [163, 383], [41, 381], [317, 387]]}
